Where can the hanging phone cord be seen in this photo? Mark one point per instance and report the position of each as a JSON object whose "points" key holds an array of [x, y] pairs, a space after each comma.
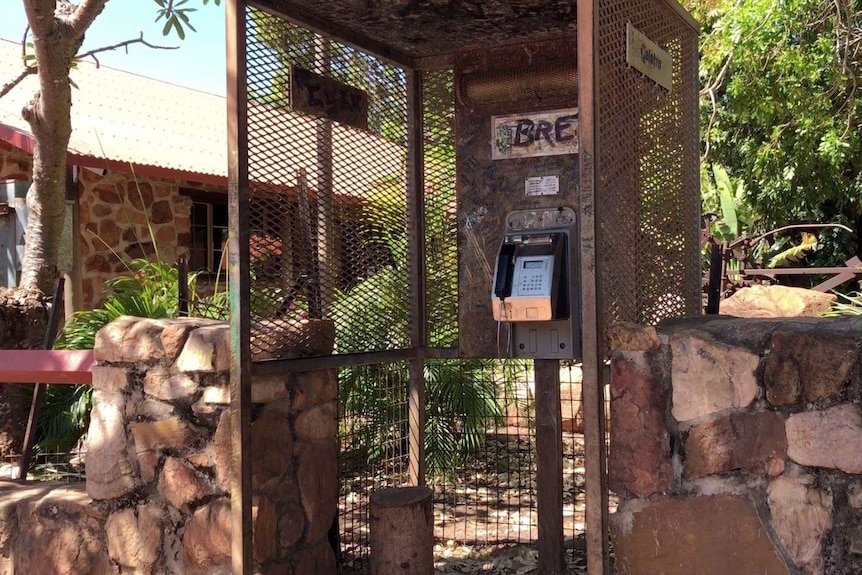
{"points": [[503, 315]]}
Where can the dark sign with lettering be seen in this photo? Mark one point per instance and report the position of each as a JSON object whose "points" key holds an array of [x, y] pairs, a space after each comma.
{"points": [[648, 58], [324, 97], [550, 133]]}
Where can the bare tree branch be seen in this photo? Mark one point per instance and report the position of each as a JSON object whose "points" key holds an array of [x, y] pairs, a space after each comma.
{"points": [[7, 87], [31, 70], [85, 14], [139, 40]]}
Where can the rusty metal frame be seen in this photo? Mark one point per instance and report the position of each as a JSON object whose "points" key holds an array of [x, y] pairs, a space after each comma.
{"points": [[242, 368], [595, 454], [239, 276]]}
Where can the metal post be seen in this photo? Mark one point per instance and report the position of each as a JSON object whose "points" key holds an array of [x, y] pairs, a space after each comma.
{"points": [[324, 234], [593, 353], [183, 273], [239, 274], [416, 271], [716, 267], [549, 454]]}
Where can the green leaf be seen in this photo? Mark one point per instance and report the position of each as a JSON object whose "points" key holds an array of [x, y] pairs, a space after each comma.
{"points": [[167, 29], [727, 198], [794, 254]]}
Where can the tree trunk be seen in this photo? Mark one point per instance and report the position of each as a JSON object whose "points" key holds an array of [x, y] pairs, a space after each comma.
{"points": [[57, 30], [23, 320], [402, 531]]}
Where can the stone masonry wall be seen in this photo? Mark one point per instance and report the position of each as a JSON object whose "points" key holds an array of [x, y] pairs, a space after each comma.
{"points": [[736, 447], [117, 213], [114, 222], [158, 465]]}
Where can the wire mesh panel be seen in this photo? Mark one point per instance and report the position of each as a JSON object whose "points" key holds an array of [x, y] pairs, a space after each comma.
{"points": [[373, 439], [328, 244], [648, 205], [480, 451]]}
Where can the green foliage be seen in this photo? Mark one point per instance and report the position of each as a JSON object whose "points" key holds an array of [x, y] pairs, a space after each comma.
{"points": [[177, 18], [794, 254], [779, 105], [152, 290], [846, 305]]}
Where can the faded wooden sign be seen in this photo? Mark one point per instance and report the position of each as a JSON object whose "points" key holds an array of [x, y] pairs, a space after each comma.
{"points": [[645, 56], [534, 134], [327, 98]]}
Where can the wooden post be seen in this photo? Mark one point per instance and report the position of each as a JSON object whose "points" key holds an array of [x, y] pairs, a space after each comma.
{"points": [[402, 532], [549, 455]]}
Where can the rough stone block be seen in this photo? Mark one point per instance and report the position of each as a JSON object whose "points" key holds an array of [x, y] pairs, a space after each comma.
{"points": [[135, 537], [311, 388], [206, 350], [709, 377], [60, 535], [714, 535], [317, 476], [801, 517], [808, 366], [173, 433], [639, 462], [319, 423], [268, 388], [106, 378], [180, 486], [631, 337], [776, 301], [831, 438], [131, 339], [854, 494], [272, 446], [111, 472], [222, 447], [291, 523], [754, 442], [287, 339], [318, 558], [155, 410], [207, 538], [264, 529], [162, 383]]}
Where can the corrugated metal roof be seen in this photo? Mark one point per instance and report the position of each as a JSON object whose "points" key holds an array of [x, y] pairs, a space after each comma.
{"points": [[120, 118]]}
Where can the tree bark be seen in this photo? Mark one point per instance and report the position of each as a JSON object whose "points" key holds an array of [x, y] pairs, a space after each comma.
{"points": [[58, 30], [402, 531]]}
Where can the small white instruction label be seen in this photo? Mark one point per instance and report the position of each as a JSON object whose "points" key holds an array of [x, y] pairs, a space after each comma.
{"points": [[542, 186]]}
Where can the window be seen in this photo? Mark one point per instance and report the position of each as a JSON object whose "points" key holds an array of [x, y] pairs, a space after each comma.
{"points": [[208, 236]]}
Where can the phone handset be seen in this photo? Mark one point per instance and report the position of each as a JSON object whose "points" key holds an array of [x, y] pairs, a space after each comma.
{"points": [[505, 271]]}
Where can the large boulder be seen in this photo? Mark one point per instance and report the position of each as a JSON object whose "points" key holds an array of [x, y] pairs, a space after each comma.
{"points": [[777, 301]]}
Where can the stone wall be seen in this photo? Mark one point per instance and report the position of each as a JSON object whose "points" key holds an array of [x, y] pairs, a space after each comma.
{"points": [[116, 213], [736, 447], [158, 465], [131, 218]]}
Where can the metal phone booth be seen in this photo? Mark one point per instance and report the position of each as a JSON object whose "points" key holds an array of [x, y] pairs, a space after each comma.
{"points": [[559, 140]]}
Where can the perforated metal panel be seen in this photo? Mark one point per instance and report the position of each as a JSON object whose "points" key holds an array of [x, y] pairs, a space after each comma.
{"points": [[648, 204], [441, 218], [328, 216]]}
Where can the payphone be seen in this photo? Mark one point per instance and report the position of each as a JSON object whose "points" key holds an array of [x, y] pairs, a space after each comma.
{"points": [[533, 286]]}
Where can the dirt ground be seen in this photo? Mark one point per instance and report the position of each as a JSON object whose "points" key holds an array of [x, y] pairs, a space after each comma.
{"points": [[485, 517]]}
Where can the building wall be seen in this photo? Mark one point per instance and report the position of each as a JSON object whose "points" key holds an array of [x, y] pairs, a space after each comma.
{"points": [[14, 164], [120, 217], [123, 218]]}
